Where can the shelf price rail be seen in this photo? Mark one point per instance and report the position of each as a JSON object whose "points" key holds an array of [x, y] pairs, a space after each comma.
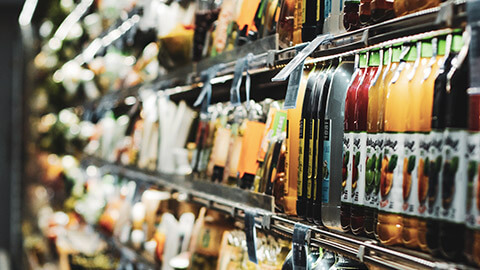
{"points": [[235, 202]]}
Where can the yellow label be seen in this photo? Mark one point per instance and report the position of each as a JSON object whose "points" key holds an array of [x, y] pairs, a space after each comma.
{"points": [[318, 10], [300, 158], [287, 164], [304, 3], [310, 159]]}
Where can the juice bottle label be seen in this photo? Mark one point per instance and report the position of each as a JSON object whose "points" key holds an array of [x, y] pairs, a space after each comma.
{"points": [[220, 146], [434, 173], [326, 160], [373, 164], [473, 200], [391, 177], [423, 164], [347, 168], [409, 172], [454, 176], [301, 152], [359, 157], [310, 160]]}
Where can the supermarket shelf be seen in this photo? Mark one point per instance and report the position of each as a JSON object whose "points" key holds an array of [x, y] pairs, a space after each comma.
{"points": [[129, 253], [268, 57], [235, 202], [203, 191]]}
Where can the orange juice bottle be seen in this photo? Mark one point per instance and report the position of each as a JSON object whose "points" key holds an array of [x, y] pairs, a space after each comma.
{"points": [[374, 142], [390, 223], [413, 173]]}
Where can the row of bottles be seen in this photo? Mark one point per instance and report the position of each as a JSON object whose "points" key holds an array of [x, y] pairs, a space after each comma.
{"points": [[383, 146]]}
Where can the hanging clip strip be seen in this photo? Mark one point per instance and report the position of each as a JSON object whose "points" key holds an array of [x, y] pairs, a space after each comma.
{"points": [[299, 246], [251, 235], [247, 79], [240, 67], [293, 84], [206, 77], [301, 56]]}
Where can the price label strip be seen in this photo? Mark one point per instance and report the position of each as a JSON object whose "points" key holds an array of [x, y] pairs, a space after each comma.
{"points": [[251, 235], [294, 68], [299, 246], [204, 96]]}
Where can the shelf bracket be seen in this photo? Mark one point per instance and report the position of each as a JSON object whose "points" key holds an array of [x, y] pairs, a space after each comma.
{"points": [[271, 58], [266, 221], [445, 14], [361, 252]]}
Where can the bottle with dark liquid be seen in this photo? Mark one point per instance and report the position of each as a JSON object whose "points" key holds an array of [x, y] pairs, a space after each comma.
{"points": [[365, 12], [381, 10], [357, 219], [351, 18], [347, 172], [454, 174], [206, 14], [304, 147], [435, 138]]}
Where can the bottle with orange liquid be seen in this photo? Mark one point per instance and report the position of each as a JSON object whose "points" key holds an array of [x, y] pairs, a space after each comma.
{"points": [[360, 145], [422, 91], [390, 223], [347, 172], [374, 142]]}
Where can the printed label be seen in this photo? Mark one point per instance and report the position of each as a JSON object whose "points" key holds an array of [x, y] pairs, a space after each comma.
{"points": [[300, 159], [434, 173], [391, 174], [423, 165], [347, 168], [310, 160], [373, 167], [410, 179], [358, 167], [454, 176], [326, 161], [473, 200]]}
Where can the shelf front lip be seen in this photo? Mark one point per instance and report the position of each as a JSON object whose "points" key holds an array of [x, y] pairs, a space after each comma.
{"points": [[363, 249]]}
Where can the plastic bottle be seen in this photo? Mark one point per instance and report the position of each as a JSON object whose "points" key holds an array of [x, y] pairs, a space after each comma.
{"points": [[374, 142], [435, 138], [319, 169], [350, 100], [454, 173], [360, 145], [333, 145], [390, 223]]}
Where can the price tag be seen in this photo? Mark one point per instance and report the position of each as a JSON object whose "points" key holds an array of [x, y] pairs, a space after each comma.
{"points": [[293, 84], [300, 57], [251, 235], [299, 246], [206, 77]]}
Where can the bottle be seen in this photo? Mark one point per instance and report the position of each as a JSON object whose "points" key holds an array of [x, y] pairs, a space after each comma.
{"points": [[333, 145], [286, 23], [205, 15], [454, 174], [332, 20], [411, 176], [472, 238], [360, 145], [374, 142], [425, 126], [351, 19], [292, 146], [312, 138], [390, 223], [436, 141], [390, 68], [381, 10], [324, 87], [310, 17], [365, 12], [304, 130], [350, 100]]}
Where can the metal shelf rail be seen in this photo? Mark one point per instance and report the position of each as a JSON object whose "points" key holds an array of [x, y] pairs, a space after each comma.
{"points": [[226, 199]]}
